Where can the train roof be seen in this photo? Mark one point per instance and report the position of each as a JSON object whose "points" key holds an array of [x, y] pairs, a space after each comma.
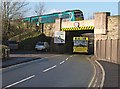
{"points": [[55, 13], [62, 12]]}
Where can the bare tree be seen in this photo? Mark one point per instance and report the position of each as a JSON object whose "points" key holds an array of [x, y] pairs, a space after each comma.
{"points": [[40, 8], [11, 10]]}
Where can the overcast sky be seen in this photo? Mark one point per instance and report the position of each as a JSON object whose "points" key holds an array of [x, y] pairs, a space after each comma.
{"points": [[88, 8]]}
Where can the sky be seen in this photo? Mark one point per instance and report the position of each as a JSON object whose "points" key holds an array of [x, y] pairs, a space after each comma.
{"points": [[88, 8]]}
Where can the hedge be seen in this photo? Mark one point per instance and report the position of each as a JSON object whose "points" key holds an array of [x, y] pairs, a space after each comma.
{"points": [[5, 51]]}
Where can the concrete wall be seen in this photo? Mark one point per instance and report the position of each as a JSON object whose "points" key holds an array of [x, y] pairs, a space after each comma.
{"points": [[113, 32], [101, 22], [81, 23], [107, 45], [50, 28]]}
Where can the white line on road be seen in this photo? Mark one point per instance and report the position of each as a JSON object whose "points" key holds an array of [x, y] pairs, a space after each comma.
{"points": [[103, 72], [71, 56], [49, 68], [66, 59], [95, 83], [62, 62], [90, 84], [19, 81]]}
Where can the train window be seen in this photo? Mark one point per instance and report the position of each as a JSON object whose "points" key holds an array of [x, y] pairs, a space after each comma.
{"points": [[49, 18], [65, 16], [78, 15]]}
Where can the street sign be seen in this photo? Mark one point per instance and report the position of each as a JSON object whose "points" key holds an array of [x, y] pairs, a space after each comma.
{"points": [[59, 37]]}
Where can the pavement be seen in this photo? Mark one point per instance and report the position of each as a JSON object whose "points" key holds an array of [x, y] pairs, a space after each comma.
{"points": [[17, 57], [16, 60], [111, 70], [111, 74]]}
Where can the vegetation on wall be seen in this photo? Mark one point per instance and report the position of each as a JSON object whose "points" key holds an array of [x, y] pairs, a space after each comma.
{"points": [[30, 43]]}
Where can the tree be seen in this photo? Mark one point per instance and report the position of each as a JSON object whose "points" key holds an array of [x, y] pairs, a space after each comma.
{"points": [[10, 11], [40, 8]]}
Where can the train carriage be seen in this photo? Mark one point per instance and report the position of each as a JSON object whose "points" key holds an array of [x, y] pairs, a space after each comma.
{"points": [[69, 15]]}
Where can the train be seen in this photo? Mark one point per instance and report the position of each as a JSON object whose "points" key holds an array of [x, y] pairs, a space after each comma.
{"points": [[69, 15]]}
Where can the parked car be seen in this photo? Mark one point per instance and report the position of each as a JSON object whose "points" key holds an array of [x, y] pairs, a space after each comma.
{"points": [[42, 46], [13, 45]]}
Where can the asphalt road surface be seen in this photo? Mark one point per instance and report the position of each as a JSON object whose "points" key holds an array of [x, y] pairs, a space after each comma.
{"points": [[53, 71]]}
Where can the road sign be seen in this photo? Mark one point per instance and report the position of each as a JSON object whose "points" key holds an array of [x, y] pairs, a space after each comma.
{"points": [[59, 37]]}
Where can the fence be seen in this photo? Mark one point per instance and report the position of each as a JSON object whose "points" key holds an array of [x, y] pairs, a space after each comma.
{"points": [[108, 50]]}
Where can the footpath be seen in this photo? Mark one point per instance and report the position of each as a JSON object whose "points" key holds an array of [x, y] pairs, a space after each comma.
{"points": [[112, 76], [17, 57], [21, 56], [14, 61]]}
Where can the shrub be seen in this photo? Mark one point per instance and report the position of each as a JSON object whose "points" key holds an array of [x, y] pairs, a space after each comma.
{"points": [[31, 42], [5, 51]]}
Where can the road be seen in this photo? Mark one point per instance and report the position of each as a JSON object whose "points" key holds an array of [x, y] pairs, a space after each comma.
{"points": [[51, 71]]}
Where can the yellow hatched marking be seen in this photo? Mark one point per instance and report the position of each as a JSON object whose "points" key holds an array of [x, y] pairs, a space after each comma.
{"points": [[78, 28]]}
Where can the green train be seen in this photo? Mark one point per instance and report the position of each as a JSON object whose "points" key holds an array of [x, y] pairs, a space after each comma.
{"points": [[69, 15]]}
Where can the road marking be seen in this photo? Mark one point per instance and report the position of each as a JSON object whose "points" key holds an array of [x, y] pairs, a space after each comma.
{"points": [[19, 82], [103, 78], [95, 83], [66, 59], [93, 75], [103, 71], [62, 62], [49, 68], [71, 56]]}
